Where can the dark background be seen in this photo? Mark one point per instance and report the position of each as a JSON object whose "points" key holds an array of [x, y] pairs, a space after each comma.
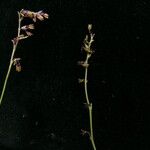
{"points": [[43, 105]]}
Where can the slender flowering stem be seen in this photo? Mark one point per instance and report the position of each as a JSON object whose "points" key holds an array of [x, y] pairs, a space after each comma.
{"points": [[11, 59], [87, 48], [40, 15]]}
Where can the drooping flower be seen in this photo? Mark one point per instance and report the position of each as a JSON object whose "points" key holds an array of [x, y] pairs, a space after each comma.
{"points": [[16, 63], [27, 27], [40, 15]]}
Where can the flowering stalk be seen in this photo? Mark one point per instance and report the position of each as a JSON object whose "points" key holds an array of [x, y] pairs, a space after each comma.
{"points": [[87, 48], [23, 33]]}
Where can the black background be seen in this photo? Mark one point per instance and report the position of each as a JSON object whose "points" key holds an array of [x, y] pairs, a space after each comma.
{"points": [[43, 105]]}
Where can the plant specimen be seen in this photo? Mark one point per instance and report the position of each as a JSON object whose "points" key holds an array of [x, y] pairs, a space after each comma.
{"points": [[23, 33], [87, 48]]}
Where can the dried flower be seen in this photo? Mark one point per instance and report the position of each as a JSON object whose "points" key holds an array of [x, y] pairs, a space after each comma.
{"points": [[34, 15], [18, 67], [83, 64], [27, 27], [16, 63], [29, 33], [40, 17], [27, 13], [84, 132]]}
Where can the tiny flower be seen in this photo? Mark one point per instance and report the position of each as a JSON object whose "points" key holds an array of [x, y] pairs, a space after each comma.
{"points": [[86, 39], [30, 26], [16, 60], [14, 41], [27, 13], [26, 27], [92, 37], [29, 33], [40, 15], [16, 63], [89, 27], [83, 64], [84, 132], [46, 15], [18, 67], [87, 49], [81, 80]]}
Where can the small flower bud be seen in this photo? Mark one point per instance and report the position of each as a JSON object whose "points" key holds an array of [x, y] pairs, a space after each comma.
{"points": [[81, 80], [40, 17], [34, 15], [26, 27], [30, 26], [83, 64], [29, 33], [16, 60], [89, 27], [84, 132], [27, 13], [18, 67], [16, 63], [46, 15]]}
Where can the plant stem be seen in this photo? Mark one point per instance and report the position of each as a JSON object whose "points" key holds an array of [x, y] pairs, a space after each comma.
{"points": [[89, 104], [11, 59]]}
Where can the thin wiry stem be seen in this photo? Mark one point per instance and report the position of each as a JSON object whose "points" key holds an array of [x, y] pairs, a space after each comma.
{"points": [[85, 83], [87, 47], [89, 105], [11, 59]]}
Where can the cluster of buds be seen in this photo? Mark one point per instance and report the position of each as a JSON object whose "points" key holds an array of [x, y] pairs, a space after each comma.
{"points": [[89, 39], [25, 30], [87, 43], [40, 15]]}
